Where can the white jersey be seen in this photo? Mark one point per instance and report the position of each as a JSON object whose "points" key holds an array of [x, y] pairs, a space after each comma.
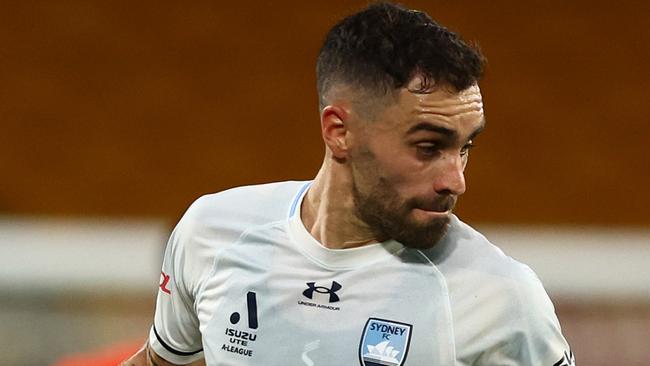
{"points": [[244, 283]]}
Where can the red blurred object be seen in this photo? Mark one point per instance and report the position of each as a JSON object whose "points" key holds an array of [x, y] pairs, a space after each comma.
{"points": [[109, 356]]}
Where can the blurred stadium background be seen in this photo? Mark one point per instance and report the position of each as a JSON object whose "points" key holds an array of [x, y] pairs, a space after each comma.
{"points": [[115, 115]]}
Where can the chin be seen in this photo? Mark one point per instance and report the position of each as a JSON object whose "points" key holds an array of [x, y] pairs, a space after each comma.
{"points": [[424, 234]]}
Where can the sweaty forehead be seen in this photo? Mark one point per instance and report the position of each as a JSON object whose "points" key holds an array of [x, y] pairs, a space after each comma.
{"points": [[443, 101], [439, 108], [459, 114]]}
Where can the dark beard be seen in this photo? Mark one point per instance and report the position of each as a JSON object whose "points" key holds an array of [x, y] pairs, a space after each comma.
{"points": [[388, 219]]}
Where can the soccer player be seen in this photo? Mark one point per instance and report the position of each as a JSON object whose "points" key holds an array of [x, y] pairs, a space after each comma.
{"points": [[366, 264]]}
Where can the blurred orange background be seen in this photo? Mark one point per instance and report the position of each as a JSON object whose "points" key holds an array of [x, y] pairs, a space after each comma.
{"points": [[123, 108]]}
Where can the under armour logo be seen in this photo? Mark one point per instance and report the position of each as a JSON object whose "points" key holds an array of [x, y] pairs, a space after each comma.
{"points": [[309, 292]]}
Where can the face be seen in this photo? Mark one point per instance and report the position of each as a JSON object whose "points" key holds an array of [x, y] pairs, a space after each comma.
{"points": [[407, 162]]}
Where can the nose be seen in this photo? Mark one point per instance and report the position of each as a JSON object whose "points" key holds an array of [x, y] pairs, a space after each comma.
{"points": [[450, 179]]}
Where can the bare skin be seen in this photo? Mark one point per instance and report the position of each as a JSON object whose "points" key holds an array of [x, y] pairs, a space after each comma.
{"points": [[419, 143], [416, 144]]}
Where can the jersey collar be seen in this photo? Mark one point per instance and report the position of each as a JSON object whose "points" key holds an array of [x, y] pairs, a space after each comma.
{"points": [[334, 258]]}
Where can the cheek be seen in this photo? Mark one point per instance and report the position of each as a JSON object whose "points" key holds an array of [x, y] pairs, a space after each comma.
{"points": [[404, 178], [393, 166]]}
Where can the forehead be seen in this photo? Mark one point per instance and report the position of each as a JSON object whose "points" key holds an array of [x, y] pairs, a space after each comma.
{"points": [[440, 106], [443, 102]]}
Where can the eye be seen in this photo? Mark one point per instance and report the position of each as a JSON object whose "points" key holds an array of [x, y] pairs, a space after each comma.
{"points": [[427, 149], [468, 146]]}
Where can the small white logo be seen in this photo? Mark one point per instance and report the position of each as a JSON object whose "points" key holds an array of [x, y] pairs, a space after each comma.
{"points": [[308, 348]]}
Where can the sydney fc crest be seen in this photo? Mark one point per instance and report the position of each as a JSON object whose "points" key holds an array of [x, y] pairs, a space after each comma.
{"points": [[384, 343]]}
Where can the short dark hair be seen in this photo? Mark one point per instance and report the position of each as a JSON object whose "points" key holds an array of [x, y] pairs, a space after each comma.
{"points": [[382, 47]]}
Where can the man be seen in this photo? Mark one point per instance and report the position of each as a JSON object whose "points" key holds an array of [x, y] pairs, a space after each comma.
{"points": [[366, 264]]}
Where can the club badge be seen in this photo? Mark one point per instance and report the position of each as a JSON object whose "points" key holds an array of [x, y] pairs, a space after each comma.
{"points": [[384, 343]]}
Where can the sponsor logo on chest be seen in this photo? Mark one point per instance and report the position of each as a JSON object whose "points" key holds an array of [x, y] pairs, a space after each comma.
{"points": [[241, 341]]}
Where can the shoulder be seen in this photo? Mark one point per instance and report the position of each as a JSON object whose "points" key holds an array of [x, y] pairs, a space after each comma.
{"points": [[465, 250], [496, 295], [239, 208], [215, 221], [470, 262], [255, 203]]}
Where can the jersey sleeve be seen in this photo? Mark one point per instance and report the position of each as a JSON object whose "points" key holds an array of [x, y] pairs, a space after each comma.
{"points": [[175, 332], [533, 336]]}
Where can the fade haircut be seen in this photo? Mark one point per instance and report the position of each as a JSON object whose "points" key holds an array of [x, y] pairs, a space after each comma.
{"points": [[381, 48]]}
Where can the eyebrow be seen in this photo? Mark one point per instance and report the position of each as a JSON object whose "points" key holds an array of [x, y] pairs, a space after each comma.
{"points": [[478, 130], [425, 126]]}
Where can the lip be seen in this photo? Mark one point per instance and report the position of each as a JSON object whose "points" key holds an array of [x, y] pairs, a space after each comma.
{"points": [[431, 213]]}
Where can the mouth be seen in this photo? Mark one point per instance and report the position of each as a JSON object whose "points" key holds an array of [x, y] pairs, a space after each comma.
{"points": [[433, 213], [437, 209]]}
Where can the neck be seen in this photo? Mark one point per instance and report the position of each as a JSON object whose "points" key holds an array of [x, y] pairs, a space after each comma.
{"points": [[328, 210]]}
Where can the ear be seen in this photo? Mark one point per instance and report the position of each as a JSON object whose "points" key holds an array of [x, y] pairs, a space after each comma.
{"points": [[334, 128]]}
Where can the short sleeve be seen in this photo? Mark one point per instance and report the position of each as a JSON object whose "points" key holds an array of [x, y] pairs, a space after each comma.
{"points": [[175, 333], [533, 335]]}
